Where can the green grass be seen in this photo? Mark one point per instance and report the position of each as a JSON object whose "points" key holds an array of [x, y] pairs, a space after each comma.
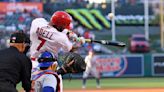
{"points": [[117, 83], [157, 82]]}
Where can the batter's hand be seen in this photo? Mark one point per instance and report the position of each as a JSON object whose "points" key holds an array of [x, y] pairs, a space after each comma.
{"points": [[81, 40]]}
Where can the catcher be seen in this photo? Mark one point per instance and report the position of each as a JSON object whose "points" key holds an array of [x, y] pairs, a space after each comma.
{"points": [[48, 78]]}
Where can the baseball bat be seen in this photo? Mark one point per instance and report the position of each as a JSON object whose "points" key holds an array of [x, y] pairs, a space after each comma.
{"points": [[107, 42]]}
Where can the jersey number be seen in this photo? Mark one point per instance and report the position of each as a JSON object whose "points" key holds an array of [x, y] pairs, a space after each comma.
{"points": [[41, 44]]}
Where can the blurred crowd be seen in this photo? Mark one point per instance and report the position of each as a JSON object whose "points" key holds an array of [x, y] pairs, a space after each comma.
{"points": [[21, 19], [14, 21]]}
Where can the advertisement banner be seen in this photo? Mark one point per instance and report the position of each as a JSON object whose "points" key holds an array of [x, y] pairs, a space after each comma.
{"points": [[5, 6], [135, 65], [119, 65], [111, 65], [158, 64]]}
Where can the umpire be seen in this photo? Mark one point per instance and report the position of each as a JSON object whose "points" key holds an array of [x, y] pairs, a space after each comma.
{"points": [[15, 66]]}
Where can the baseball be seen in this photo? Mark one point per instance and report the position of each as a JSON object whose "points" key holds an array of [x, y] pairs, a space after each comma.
{"points": [[110, 15]]}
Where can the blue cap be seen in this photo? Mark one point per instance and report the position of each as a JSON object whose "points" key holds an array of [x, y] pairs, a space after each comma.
{"points": [[46, 59]]}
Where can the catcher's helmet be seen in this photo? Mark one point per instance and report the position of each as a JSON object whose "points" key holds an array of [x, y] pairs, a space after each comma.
{"points": [[46, 59], [61, 19]]}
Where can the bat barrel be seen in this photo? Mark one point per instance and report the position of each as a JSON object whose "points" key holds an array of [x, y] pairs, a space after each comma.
{"points": [[112, 43], [107, 42], [120, 44]]}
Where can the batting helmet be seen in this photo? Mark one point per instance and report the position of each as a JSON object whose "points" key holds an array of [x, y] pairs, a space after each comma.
{"points": [[46, 59], [61, 19]]}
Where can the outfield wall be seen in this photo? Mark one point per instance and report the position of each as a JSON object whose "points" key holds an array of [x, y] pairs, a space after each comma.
{"points": [[129, 65]]}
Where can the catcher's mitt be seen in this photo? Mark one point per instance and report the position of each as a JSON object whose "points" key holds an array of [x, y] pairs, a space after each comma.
{"points": [[72, 63]]}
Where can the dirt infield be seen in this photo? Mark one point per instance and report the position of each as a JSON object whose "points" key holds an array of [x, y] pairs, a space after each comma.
{"points": [[117, 90]]}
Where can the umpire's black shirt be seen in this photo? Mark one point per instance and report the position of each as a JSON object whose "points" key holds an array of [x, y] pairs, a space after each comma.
{"points": [[14, 67]]}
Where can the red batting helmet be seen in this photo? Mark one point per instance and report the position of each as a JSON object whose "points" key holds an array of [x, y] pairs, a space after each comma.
{"points": [[61, 19]]}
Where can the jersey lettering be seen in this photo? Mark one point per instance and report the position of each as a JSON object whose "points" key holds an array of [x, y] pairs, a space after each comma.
{"points": [[41, 44], [44, 33]]}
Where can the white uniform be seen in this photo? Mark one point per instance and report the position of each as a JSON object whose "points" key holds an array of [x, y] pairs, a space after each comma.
{"points": [[46, 38], [48, 80], [90, 67]]}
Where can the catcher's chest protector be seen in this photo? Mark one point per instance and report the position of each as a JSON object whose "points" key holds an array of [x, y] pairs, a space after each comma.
{"points": [[37, 76]]}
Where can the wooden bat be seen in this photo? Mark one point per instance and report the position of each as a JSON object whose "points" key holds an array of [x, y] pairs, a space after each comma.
{"points": [[107, 42]]}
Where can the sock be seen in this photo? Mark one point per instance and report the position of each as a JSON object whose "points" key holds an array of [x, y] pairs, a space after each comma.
{"points": [[84, 81], [97, 81]]}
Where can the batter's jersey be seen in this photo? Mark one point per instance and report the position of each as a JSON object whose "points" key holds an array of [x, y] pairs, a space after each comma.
{"points": [[46, 38], [48, 80]]}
